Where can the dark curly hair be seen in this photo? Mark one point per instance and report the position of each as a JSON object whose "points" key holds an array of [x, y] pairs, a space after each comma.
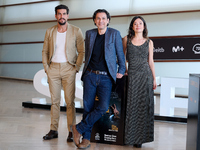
{"points": [[131, 32], [101, 11]]}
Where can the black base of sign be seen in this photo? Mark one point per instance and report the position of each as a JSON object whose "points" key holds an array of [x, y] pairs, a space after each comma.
{"points": [[47, 106]]}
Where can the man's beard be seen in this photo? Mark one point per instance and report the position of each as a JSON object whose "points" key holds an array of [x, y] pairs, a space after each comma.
{"points": [[62, 23]]}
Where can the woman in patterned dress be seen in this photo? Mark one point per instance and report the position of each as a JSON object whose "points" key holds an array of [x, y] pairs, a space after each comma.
{"points": [[139, 123]]}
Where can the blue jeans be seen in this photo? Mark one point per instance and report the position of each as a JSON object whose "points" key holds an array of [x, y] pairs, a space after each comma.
{"points": [[94, 84]]}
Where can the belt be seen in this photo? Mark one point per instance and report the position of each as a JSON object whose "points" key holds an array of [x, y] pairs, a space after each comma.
{"points": [[98, 72]]}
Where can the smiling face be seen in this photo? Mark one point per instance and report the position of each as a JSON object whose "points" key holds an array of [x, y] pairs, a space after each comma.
{"points": [[61, 16], [101, 21], [138, 26]]}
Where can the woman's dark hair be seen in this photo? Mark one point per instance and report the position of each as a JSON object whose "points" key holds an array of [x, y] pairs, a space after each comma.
{"points": [[61, 7], [131, 32], [101, 11]]}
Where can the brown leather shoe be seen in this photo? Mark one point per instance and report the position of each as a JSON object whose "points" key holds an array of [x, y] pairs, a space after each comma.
{"points": [[70, 137], [76, 135], [84, 144], [52, 134]]}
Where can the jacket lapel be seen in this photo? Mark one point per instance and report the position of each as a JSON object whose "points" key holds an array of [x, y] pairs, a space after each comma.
{"points": [[107, 42], [92, 40], [68, 35], [54, 38]]}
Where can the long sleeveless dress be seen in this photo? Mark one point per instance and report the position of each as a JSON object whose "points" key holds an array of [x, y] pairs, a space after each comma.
{"points": [[139, 123]]}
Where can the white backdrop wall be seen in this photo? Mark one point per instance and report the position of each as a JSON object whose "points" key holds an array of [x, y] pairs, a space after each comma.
{"points": [[158, 25]]}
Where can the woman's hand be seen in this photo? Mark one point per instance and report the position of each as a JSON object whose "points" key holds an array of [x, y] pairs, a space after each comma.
{"points": [[154, 84]]}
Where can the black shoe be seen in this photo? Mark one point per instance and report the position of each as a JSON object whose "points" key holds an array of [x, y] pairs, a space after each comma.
{"points": [[70, 137], [137, 145], [52, 134]]}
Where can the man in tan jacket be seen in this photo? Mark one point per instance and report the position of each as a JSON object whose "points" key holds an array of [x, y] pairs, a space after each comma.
{"points": [[62, 56]]}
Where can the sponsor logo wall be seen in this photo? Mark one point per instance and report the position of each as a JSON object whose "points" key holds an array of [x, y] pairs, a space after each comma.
{"points": [[185, 48]]}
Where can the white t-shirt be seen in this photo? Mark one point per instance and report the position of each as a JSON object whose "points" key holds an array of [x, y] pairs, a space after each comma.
{"points": [[60, 53]]}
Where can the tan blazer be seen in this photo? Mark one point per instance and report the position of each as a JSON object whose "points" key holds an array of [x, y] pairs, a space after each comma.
{"points": [[75, 48]]}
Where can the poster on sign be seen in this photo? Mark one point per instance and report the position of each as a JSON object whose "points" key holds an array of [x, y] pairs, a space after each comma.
{"points": [[109, 129], [176, 48]]}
